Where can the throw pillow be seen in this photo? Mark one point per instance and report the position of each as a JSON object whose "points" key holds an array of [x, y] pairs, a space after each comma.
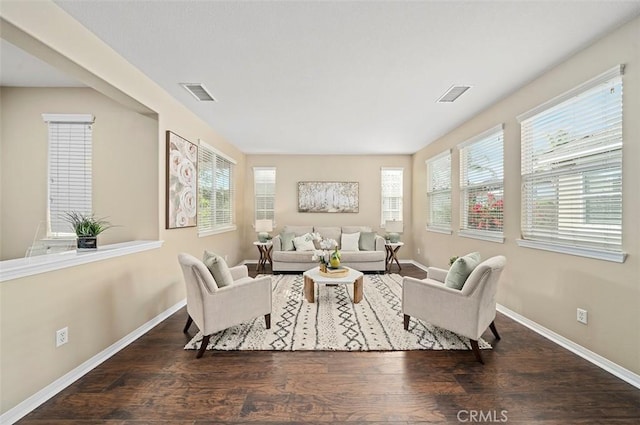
{"points": [[367, 241], [349, 241], [304, 243], [461, 269], [218, 268], [287, 241]]}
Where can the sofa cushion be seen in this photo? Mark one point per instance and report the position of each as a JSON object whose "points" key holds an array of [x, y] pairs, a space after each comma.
{"points": [[218, 268], [350, 241], [355, 229], [292, 256], [461, 269], [329, 232], [367, 241], [298, 230], [361, 256], [304, 242], [286, 240]]}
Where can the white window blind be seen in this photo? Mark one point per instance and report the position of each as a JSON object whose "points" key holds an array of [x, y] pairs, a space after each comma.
{"points": [[439, 192], [264, 183], [391, 187], [572, 168], [215, 191], [482, 184], [69, 164]]}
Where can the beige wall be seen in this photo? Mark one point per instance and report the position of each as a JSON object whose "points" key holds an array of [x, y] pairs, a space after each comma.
{"points": [[124, 142], [290, 169], [104, 301], [543, 286]]}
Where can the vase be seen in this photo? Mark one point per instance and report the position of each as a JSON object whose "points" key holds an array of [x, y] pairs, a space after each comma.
{"points": [[335, 259], [323, 267], [87, 243]]}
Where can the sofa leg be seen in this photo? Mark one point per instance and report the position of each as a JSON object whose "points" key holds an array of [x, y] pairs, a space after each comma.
{"points": [[476, 350], [203, 346], [267, 320], [492, 326], [188, 325], [406, 322]]}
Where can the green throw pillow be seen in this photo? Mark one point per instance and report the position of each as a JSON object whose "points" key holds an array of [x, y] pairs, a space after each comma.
{"points": [[287, 241], [461, 269], [367, 241], [218, 268]]}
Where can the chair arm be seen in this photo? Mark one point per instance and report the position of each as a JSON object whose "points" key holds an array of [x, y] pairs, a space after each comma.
{"points": [[380, 241], [437, 274], [238, 272], [277, 243]]}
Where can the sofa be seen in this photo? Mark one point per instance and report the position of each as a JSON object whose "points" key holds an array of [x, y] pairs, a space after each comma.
{"points": [[370, 255]]}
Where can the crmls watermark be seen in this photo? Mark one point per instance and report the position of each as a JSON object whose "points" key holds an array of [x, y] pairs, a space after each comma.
{"points": [[482, 416]]}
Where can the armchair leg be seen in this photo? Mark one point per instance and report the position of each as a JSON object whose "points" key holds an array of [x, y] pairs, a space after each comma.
{"points": [[492, 326], [476, 350], [189, 322], [406, 322], [203, 346], [267, 320]]}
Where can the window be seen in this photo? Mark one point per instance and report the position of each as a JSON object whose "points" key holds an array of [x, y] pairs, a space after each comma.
{"points": [[69, 165], [572, 171], [482, 186], [391, 186], [439, 192], [215, 191], [264, 184]]}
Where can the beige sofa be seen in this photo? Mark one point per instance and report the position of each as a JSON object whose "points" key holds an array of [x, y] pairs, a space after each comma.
{"points": [[299, 261]]}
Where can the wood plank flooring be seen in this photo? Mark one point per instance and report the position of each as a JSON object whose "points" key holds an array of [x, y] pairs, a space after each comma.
{"points": [[525, 380]]}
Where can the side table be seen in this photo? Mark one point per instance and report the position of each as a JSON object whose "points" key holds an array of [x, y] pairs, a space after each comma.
{"points": [[392, 251], [264, 248]]}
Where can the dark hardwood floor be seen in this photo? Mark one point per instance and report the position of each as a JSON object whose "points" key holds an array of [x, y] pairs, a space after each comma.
{"points": [[525, 380]]}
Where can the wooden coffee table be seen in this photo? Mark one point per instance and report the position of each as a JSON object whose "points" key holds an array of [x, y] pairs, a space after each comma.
{"points": [[313, 276]]}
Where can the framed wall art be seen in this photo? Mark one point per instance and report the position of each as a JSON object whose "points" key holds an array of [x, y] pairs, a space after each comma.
{"points": [[328, 197], [182, 174]]}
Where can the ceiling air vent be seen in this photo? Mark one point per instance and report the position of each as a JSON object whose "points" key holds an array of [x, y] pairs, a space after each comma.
{"points": [[199, 91], [453, 93]]}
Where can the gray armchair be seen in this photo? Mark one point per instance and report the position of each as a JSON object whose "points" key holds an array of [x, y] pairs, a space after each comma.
{"points": [[214, 309], [467, 312]]}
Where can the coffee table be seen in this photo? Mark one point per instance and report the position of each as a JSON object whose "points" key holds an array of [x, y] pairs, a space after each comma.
{"points": [[313, 276]]}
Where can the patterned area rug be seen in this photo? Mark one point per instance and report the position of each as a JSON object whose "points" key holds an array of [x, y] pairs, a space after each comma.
{"points": [[335, 323]]}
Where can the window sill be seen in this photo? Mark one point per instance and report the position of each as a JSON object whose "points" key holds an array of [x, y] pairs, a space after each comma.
{"points": [[483, 236], [22, 267], [217, 231], [616, 257], [439, 230]]}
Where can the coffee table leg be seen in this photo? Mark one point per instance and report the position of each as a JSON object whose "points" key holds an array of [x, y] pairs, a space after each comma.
{"points": [[357, 290], [309, 290]]}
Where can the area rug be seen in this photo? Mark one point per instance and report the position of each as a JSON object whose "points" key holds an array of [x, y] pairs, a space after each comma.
{"points": [[335, 323]]}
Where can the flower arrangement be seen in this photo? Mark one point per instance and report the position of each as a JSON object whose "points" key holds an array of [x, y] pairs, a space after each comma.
{"points": [[322, 255], [486, 214]]}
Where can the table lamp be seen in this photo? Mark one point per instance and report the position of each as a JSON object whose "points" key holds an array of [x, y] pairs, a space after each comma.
{"points": [[393, 228], [263, 227]]}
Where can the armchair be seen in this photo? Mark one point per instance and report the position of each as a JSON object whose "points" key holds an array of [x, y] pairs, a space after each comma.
{"points": [[467, 312], [214, 309]]}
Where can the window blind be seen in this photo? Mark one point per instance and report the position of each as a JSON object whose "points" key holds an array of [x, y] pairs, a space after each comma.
{"points": [[572, 167], [69, 169], [264, 183], [439, 192], [482, 183], [215, 190], [391, 194]]}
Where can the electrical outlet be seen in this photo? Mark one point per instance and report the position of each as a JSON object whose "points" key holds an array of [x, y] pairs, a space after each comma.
{"points": [[582, 316], [62, 336]]}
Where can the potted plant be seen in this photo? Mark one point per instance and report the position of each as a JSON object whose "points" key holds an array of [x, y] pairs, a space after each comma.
{"points": [[87, 228]]}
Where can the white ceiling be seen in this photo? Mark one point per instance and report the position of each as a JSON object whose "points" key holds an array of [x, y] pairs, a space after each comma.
{"points": [[345, 77]]}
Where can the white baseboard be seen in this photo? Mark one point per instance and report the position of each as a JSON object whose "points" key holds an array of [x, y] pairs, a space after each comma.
{"points": [[603, 363], [16, 413]]}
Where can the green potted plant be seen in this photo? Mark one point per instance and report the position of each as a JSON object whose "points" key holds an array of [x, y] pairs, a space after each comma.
{"points": [[87, 227]]}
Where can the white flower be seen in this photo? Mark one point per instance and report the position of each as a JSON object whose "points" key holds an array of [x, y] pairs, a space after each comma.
{"points": [[328, 243], [186, 173], [181, 219], [188, 201], [318, 255], [175, 158]]}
